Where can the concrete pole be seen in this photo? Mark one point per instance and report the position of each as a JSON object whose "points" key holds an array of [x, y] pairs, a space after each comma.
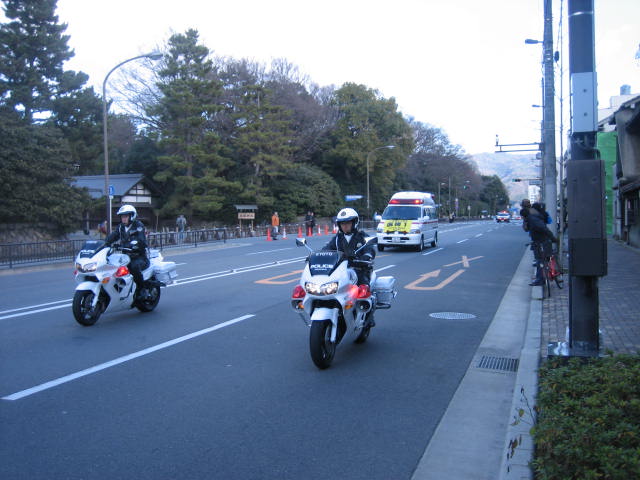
{"points": [[550, 190], [585, 187]]}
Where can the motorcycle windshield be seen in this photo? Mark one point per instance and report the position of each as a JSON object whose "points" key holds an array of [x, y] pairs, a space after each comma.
{"points": [[324, 263], [90, 247]]}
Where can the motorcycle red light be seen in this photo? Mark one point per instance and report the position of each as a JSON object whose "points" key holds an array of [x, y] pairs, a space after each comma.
{"points": [[298, 292], [363, 291], [122, 271]]}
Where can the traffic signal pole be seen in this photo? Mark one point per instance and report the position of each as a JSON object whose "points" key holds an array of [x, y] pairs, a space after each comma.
{"points": [[585, 187]]}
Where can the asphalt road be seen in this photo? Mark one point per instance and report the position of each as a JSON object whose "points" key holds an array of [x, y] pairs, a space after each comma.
{"points": [[217, 382]]}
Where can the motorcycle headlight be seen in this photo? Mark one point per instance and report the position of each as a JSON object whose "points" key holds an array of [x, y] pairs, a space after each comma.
{"points": [[324, 289], [89, 267]]}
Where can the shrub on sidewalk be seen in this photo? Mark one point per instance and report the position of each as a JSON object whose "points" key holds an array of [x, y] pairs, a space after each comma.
{"points": [[588, 424]]}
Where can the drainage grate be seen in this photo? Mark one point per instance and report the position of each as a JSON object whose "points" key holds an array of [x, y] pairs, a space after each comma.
{"points": [[452, 315], [499, 363]]}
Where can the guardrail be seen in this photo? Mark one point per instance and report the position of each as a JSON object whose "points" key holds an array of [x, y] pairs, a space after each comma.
{"points": [[37, 253], [20, 254]]}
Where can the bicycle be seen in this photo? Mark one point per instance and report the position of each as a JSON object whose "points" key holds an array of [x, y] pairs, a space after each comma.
{"points": [[551, 268]]}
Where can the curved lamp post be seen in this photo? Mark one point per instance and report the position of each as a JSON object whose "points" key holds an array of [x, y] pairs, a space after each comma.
{"points": [[152, 56], [390, 147]]}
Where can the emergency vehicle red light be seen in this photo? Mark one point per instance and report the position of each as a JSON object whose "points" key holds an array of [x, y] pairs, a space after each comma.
{"points": [[405, 201]]}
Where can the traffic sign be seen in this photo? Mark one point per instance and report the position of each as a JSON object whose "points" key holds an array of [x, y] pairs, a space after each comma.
{"points": [[112, 190]]}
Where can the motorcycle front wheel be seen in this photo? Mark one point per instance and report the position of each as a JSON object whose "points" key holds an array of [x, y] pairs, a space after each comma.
{"points": [[320, 344], [83, 310], [150, 303]]}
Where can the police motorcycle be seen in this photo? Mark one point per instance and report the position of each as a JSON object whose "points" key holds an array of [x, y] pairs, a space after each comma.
{"points": [[330, 302], [105, 283]]}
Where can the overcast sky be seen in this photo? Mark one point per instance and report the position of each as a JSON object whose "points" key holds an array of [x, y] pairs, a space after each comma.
{"points": [[460, 65]]}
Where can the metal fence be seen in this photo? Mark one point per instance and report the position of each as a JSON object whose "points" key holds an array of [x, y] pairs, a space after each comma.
{"points": [[36, 253], [21, 254]]}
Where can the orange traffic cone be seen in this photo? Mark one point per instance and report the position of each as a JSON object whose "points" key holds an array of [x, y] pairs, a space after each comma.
{"points": [[284, 232], [326, 229], [299, 231], [268, 235], [319, 231], [309, 232]]}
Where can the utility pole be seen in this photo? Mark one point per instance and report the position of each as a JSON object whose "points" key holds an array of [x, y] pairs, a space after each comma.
{"points": [[585, 187], [550, 190]]}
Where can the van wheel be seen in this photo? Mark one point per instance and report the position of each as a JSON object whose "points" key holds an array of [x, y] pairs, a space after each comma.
{"points": [[420, 246], [434, 244], [380, 248]]}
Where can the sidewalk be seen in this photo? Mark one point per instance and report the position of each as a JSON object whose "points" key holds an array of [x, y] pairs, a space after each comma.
{"points": [[471, 441], [619, 305]]}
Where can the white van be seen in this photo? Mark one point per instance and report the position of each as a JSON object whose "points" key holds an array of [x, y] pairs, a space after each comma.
{"points": [[410, 219]]}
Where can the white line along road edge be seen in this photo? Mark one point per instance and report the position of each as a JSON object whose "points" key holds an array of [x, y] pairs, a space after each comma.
{"points": [[117, 361]]}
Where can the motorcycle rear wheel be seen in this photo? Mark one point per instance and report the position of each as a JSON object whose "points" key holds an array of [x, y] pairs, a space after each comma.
{"points": [[83, 311], [150, 303], [320, 345]]}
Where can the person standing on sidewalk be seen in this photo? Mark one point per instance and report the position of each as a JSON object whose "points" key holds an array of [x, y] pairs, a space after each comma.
{"points": [[181, 224], [275, 223]]}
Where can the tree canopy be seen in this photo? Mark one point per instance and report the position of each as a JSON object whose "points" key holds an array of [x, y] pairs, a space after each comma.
{"points": [[213, 132]]}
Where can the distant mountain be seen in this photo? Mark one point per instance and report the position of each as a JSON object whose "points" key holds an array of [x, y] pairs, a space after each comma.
{"points": [[508, 166]]}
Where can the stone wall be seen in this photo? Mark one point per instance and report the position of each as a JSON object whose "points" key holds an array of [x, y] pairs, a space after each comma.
{"points": [[27, 233]]}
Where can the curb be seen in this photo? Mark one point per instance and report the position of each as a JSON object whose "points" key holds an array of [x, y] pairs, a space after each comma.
{"points": [[524, 397]]}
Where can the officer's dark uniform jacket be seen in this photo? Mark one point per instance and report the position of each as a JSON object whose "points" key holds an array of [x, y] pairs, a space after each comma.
{"points": [[339, 243], [126, 237]]}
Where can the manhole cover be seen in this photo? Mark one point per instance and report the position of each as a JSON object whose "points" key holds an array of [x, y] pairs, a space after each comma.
{"points": [[452, 315]]}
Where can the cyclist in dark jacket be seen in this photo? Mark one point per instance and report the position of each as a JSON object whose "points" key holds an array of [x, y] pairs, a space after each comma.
{"points": [[541, 236]]}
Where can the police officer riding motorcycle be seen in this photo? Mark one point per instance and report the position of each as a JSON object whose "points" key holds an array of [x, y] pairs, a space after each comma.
{"points": [[130, 235]]}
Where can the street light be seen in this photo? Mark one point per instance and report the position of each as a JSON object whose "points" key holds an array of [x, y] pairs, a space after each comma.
{"points": [[390, 147], [152, 56]]}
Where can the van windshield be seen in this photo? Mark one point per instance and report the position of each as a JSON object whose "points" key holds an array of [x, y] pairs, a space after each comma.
{"points": [[401, 212]]}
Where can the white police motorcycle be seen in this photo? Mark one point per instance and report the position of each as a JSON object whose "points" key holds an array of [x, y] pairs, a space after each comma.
{"points": [[105, 283], [333, 305]]}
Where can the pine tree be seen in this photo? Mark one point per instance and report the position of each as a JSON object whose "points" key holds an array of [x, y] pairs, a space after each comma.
{"points": [[32, 52], [192, 171]]}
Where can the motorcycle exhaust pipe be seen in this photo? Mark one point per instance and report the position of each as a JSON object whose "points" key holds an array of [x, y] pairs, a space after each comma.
{"points": [[363, 306]]}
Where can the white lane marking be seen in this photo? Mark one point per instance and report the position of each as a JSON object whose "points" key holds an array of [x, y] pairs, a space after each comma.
{"points": [[117, 361], [269, 251], [34, 306], [183, 281], [66, 305], [433, 251], [384, 268], [479, 235], [461, 241]]}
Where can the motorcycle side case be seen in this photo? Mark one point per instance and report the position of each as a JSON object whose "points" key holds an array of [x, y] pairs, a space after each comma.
{"points": [[165, 272], [384, 288]]}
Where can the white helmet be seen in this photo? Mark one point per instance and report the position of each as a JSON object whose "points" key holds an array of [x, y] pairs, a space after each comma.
{"points": [[346, 215], [128, 210]]}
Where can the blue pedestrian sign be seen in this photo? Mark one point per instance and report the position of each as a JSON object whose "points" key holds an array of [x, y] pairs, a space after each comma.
{"points": [[351, 198], [111, 190]]}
